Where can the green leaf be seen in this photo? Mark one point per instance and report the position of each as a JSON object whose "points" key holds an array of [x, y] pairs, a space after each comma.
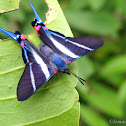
{"points": [[101, 97], [120, 6], [77, 5], [8, 5], [114, 66], [96, 4], [58, 21], [57, 104], [13, 15], [122, 93], [115, 80], [85, 67], [5, 25], [102, 23], [10, 57], [90, 117]]}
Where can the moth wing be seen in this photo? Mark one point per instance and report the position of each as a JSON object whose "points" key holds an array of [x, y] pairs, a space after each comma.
{"points": [[69, 49], [73, 48], [31, 80], [38, 71]]}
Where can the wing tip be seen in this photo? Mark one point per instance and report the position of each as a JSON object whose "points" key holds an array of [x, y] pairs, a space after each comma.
{"points": [[21, 97], [101, 43], [98, 42]]}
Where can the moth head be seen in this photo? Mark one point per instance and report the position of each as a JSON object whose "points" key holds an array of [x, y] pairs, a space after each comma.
{"points": [[35, 22], [20, 38], [18, 35], [66, 71]]}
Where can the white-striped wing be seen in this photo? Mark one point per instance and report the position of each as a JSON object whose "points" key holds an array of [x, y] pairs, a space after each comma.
{"points": [[37, 72]]}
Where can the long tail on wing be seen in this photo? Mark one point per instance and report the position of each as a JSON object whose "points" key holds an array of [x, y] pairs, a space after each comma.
{"points": [[9, 34], [36, 14]]}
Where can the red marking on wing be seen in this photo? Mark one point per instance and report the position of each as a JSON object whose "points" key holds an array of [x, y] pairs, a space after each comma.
{"points": [[38, 34], [37, 28], [68, 62], [22, 36], [55, 71], [22, 44]]}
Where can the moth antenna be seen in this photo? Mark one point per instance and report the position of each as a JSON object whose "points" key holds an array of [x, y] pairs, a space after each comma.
{"points": [[79, 78]]}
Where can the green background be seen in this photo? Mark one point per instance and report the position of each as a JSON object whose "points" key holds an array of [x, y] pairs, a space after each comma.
{"points": [[103, 97]]}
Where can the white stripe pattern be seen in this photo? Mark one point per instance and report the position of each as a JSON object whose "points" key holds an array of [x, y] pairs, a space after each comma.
{"points": [[32, 78], [43, 66], [79, 45], [63, 48]]}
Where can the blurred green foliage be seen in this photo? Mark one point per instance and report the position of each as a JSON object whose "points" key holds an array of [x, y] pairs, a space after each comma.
{"points": [[103, 97], [21, 18]]}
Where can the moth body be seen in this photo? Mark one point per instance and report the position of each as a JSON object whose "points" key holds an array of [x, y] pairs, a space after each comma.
{"points": [[61, 65]]}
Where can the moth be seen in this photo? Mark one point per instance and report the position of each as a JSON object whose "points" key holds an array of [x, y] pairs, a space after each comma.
{"points": [[54, 55]]}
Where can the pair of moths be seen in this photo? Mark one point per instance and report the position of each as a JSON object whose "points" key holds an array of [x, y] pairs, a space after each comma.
{"points": [[54, 55]]}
